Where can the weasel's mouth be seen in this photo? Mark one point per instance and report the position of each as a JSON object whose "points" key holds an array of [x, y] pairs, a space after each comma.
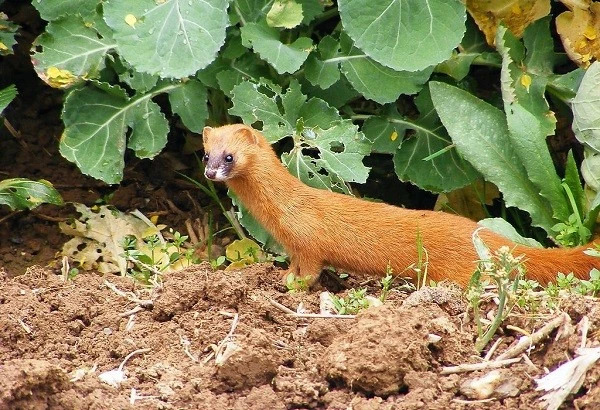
{"points": [[215, 175]]}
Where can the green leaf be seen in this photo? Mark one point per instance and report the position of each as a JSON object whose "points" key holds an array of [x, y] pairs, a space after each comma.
{"points": [[528, 115], [538, 41], [54, 9], [336, 145], [21, 193], [8, 31], [189, 102], [171, 38], [473, 46], [474, 40], [285, 58], [445, 172], [96, 122], [481, 136], [590, 170], [566, 85], [592, 214], [258, 102], [322, 66], [574, 183], [140, 82], [247, 67], [338, 154], [6, 96], [72, 50], [500, 226], [312, 172], [338, 95], [208, 75], [310, 9], [458, 65], [285, 13], [339, 145], [386, 133], [376, 82], [586, 110], [251, 11], [233, 47], [405, 35]]}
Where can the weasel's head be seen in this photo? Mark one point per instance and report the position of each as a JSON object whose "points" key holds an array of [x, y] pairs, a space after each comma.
{"points": [[230, 150]]}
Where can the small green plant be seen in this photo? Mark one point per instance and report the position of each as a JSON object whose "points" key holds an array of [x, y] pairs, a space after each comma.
{"points": [[571, 284], [500, 267], [104, 199], [572, 232], [295, 283], [566, 282], [525, 296], [72, 273], [386, 283], [244, 252], [592, 286], [218, 262], [352, 303], [156, 255], [68, 273], [388, 280]]}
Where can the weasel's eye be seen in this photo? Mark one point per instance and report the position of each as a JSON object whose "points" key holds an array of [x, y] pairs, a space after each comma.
{"points": [[229, 158], [205, 158]]}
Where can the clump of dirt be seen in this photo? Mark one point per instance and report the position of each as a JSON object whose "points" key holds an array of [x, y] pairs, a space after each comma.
{"points": [[214, 340], [405, 337]]}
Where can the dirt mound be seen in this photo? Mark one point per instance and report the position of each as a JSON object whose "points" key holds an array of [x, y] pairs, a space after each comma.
{"points": [[214, 340]]}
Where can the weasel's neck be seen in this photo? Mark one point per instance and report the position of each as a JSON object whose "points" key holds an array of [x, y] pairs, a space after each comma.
{"points": [[265, 190]]}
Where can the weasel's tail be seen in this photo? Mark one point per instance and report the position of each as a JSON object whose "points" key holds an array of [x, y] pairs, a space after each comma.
{"points": [[543, 264]]}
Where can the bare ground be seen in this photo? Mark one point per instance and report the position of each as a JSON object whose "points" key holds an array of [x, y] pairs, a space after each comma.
{"points": [[385, 358]]}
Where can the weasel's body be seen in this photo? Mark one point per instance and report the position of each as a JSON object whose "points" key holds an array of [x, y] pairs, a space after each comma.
{"points": [[321, 228]]}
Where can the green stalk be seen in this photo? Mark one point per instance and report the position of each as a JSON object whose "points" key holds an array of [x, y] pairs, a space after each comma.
{"points": [[583, 235], [212, 193], [482, 342]]}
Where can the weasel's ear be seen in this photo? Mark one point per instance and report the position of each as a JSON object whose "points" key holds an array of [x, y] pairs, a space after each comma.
{"points": [[205, 132], [248, 134]]}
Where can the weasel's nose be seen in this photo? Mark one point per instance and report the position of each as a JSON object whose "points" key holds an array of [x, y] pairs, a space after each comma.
{"points": [[210, 173]]}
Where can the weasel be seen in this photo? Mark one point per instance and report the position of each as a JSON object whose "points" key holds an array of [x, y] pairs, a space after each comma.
{"points": [[321, 228]]}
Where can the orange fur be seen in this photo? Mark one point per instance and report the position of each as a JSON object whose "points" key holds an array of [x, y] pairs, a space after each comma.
{"points": [[320, 228]]}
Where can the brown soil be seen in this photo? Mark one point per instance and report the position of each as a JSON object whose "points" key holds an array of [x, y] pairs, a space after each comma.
{"points": [[385, 358]]}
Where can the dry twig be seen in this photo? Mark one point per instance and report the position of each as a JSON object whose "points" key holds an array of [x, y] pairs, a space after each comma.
{"points": [[584, 325], [490, 352], [527, 341], [226, 347], [290, 312], [129, 295], [471, 367]]}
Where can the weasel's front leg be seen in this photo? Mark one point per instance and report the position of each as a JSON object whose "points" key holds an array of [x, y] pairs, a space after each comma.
{"points": [[304, 269]]}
